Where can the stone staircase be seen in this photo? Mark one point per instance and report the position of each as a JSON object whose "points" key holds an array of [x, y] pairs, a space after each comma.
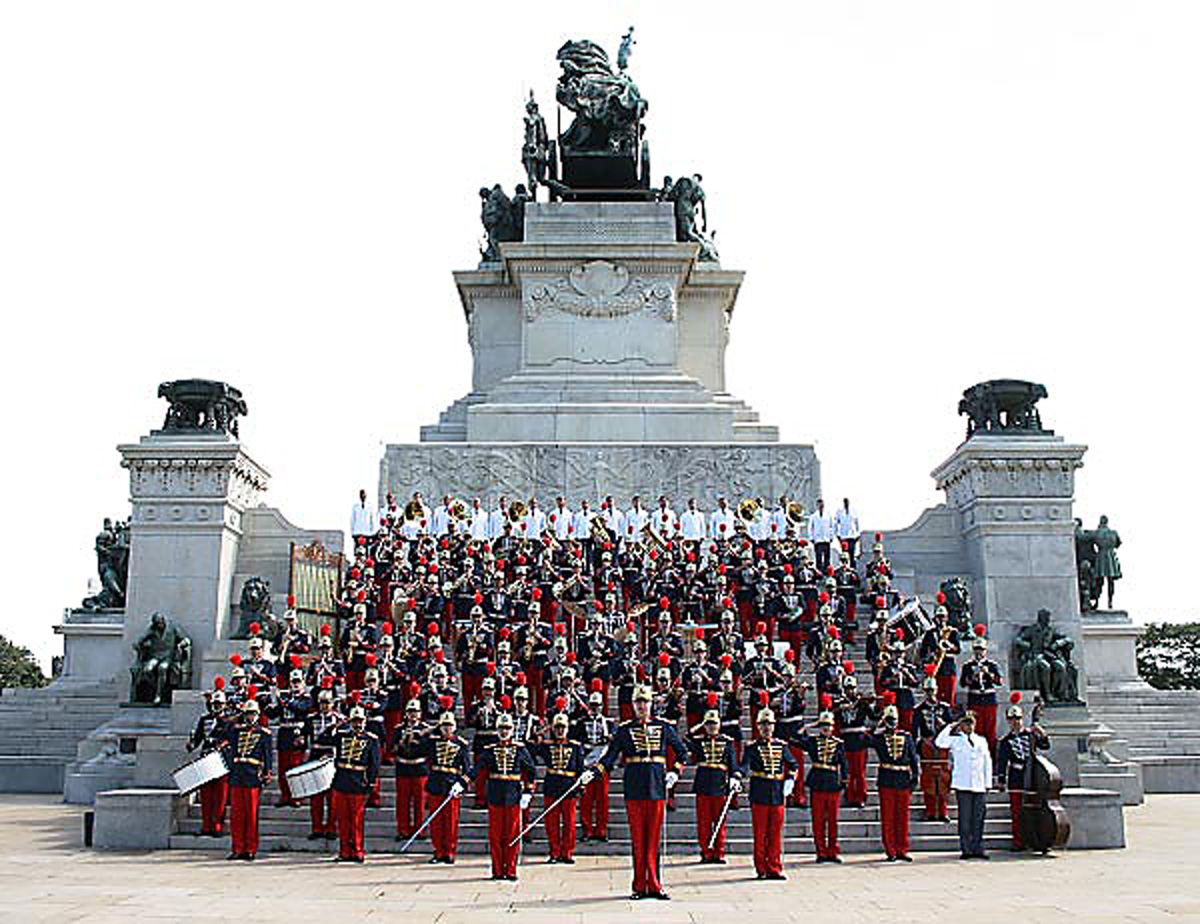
{"points": [[40, 731], [1162, 731]]}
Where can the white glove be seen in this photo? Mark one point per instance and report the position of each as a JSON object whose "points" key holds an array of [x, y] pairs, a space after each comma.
{"points": [[735, 785], [457, 790], [788, 785], [585, 778], [526, 798], [672, 779]]}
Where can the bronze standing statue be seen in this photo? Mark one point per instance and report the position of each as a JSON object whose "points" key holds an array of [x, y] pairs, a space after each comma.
{"points": [[112, 563], [1108, 566], [535, 153]]}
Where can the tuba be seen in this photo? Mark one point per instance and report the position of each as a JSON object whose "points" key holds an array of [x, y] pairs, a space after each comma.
{"points": [[795, 514], [654, 540], [412, 511], [517, 511], [457, 509], [747, 510]]}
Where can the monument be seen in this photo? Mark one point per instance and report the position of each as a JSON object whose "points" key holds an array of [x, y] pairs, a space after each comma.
{"points": [[598, 324]]}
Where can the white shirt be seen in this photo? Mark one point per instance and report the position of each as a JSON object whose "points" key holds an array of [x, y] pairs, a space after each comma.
{"points": [[779, 520], [562, 521], [439, 521], [970, 759], [362, 520], [635, 519], [582, 521], [496, 521], [535, 524], [666, 524], [480, 524], [721, 518], [820, 527], [759, 528], [615, 523], [691, 524], [846, 524]]}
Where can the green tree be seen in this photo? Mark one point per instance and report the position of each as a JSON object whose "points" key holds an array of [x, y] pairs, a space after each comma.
{"points": [[1168, 655], [18, 667]]}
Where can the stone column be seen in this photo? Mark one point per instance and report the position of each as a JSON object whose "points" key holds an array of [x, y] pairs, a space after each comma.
{"points": [[189, 491]]}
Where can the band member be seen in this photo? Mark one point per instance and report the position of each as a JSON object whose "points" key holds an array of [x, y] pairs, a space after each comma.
{"points": [[716, 763], [826, 779], [644, 744], [856, 717], [356, 768], [318, 729], [897, 776], [359, 639], [939, 646], [211, 729], [564, 762], [472, 652], [790, 719], [324, 665], [449, 775], [1014, 761], [408, 744], [930, 716], [248, 753], [510, 771], [594, 731], [290, 711], [772, 771], [980, 678], [481, 717], [260, 670]]}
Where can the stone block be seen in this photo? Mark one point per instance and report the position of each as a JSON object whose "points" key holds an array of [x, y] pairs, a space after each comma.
{"points": [[93, 646], [27, 773], [1110, 648], [1097, 818], [136, 819]]}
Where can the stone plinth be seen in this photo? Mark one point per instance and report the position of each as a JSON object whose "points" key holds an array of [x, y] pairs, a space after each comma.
{"points": [[586, 471], [1013, 500], [1110, 648], [92, 644], [136, 819], [598, 327], [189, 494]]}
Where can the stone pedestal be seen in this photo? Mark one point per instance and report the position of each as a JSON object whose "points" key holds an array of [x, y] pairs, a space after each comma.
{"points": [[137, 819], [1110, 648], [92, 645], [1013, 497], [189, 493]]}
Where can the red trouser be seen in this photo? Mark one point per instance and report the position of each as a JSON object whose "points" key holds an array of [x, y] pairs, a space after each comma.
{"points": [[287, 760], [745, 610], [443, 830], [594, 811], [1014, 811], [856, 783], [794, 638], [768, 837], [320, 809], [537, 689], [481, 779], [471, 685], [799, 796], [213, 797], [625, 711], [985, 723], [935, 784], [504, 823], [243, 818], [825, 806], [560, 828], [410, 804], [355, 680], [945, 686], [893, 813], [391, 719], [349, 809], [906, 717], [645, 828], [708, 810]]}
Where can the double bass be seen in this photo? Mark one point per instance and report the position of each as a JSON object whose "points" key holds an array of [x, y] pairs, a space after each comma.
{"points": [[1043, 820]]}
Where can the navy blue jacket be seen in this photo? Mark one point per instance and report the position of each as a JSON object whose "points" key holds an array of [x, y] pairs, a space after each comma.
{"points": [[643, 748]]}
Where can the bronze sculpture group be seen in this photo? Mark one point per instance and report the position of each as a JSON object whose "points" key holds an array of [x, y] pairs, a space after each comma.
{"points": [[163, 663]]}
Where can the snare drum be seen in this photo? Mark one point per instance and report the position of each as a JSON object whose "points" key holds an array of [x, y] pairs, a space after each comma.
{"points": [[311, 779], [192, 776]]}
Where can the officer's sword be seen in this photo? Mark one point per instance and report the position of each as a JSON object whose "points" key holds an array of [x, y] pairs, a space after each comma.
{"points": [[721, 819], [553, 805], [427, 822]]}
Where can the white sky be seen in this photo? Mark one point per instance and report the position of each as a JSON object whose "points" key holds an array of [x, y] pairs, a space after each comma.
{"points": [[924, 195]]}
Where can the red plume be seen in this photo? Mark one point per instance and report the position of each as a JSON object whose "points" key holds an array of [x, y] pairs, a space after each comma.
{"points": [[833, 632], [505, 702], [700, 633], [848, 667], [295, 661], [980, 629], [630, 627], [727, 602], [726, 660], [787, 568], [879, 537], [900, 633], [762, 698], [362, 595], [235, 660], [535, 594], [411, 605], [326, 683], [560, 629], [371, 660], [505, 632], [218, 682], [889, 697], [599, 605], [520, 678], [325, 629], [291, 602], [356, 696], [597, 684], [439, 656], [252, 692], [414, 690], [664, 602], [826, 701], [491, 668], [386, 628], [823, 597], [711, 699], [1015, 697], [560, 703], [255, 628], [789, 655], [941, 598], [930, 670], [881, 603], [664, 659], [433, 629], [571, 657], [760, 628], [478, 598], [446, 702]]}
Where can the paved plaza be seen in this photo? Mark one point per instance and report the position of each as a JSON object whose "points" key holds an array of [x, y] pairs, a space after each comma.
{"points": [[46, 876]]}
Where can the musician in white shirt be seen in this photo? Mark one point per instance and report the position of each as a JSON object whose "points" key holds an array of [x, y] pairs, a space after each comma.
{"points": [[666, 524], [561, 520], [362, 518], [721, 521], [535, 521], [439, 520], [613, 518], [821, 534], [759, 528], [582, 521], [635, 518], [691, 522], [847, 530], [479, 521], [497, 518], [777, 522]]}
